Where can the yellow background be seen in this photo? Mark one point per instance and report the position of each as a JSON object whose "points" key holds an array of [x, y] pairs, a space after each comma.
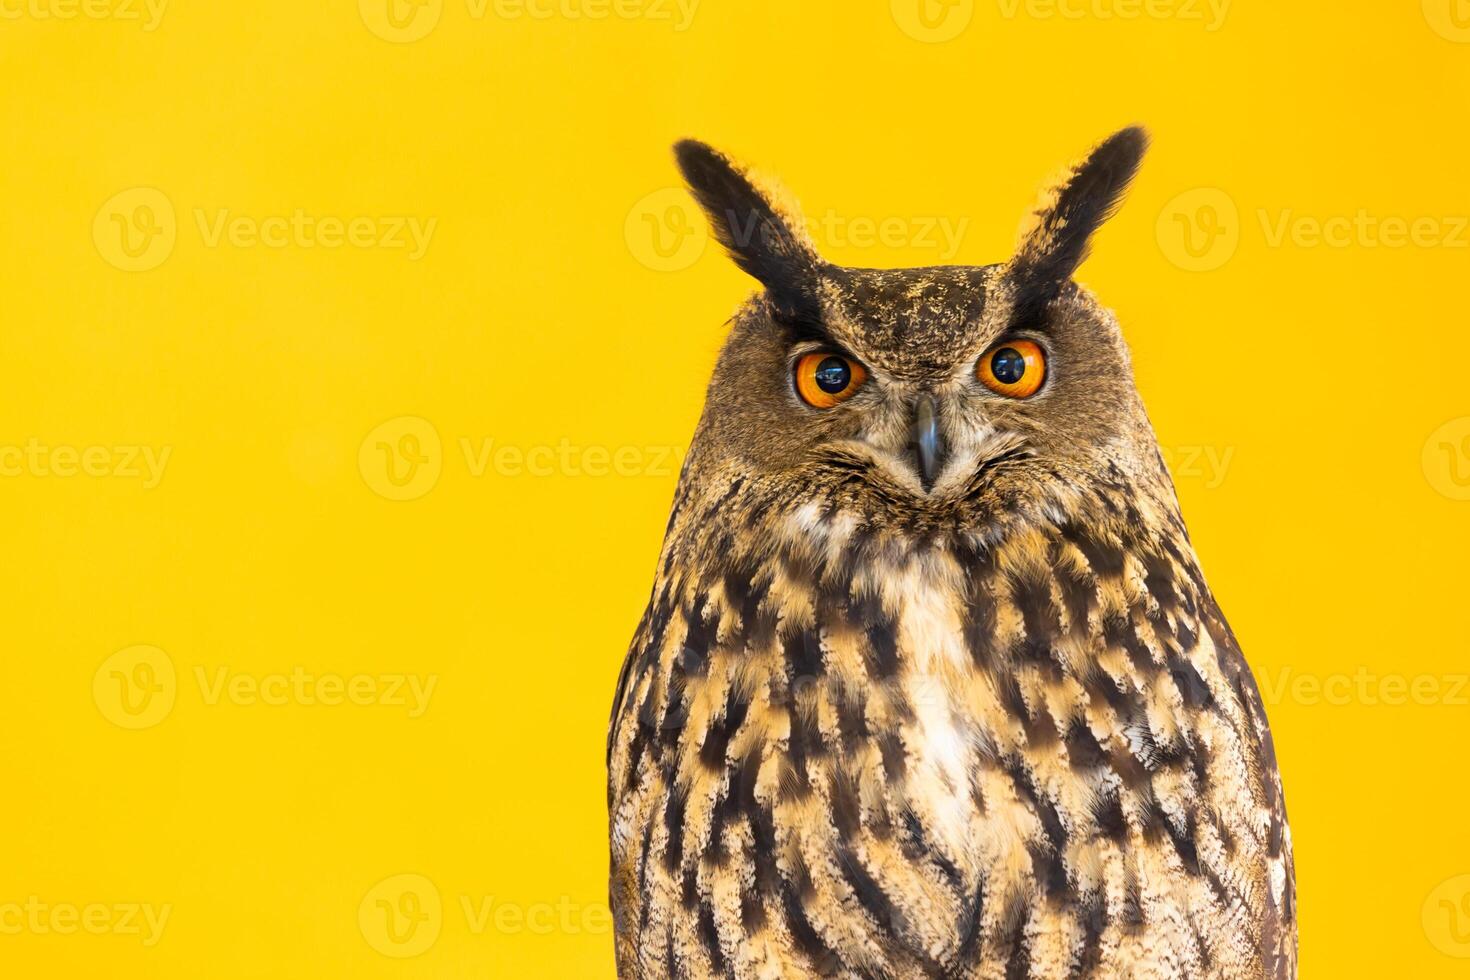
{"points": [[543, 313]]}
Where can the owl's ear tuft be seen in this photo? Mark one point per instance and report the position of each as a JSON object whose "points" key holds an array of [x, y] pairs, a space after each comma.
{"points": [[1057, 238], [763, 239]]}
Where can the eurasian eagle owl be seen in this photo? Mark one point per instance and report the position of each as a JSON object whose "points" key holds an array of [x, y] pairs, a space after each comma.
{"points": [[930, 682]]}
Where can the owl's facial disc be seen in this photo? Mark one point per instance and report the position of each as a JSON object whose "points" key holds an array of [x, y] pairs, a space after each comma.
{"points": [[932, 434]]}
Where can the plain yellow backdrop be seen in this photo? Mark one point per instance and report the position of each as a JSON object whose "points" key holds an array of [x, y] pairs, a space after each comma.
{"points": [[324, 541]]}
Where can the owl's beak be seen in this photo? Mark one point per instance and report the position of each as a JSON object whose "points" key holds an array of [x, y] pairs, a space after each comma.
{"points": [[927, 443]]}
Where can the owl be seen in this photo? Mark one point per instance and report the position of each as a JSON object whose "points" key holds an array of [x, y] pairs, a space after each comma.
{"points": [[930, 683]]}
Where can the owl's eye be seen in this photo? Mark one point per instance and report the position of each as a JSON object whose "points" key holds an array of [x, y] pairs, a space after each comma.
{"points": [[824, 380], [1014, 368]]}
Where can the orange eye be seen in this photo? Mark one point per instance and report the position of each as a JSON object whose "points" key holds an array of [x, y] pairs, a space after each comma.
{"points": [[825, 380], [1015, 368]]}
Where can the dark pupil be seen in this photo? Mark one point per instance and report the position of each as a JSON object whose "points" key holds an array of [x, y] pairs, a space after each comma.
{"points": [[1008, 365], [833, 375]]}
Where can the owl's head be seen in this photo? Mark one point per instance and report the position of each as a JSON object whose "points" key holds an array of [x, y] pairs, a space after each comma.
{"points": [[920, 386]]}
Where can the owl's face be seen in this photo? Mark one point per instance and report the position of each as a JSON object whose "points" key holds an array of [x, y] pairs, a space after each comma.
{"points": [[922, 385]]}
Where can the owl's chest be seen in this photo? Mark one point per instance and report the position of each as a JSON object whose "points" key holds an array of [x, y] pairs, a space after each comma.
{"points": [[925, 756], [897, 736], [919, 710]]}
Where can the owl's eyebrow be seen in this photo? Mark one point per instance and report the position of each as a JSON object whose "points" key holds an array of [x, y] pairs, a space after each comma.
{"points": [[804, 326], [1031, 309]]}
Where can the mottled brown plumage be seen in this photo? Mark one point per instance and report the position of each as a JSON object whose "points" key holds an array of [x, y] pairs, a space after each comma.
{"points": [[989, 726]]}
